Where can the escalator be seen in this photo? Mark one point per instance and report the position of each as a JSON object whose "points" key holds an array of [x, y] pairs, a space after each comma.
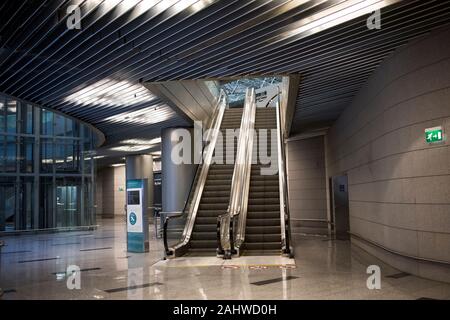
{"points": [[263, 227], [238, 207], [257, 220], [210, 191], [216, 193]]}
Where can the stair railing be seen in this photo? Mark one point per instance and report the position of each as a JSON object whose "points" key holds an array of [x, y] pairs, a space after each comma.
{"points": [[231, 225], [207, 154], [282, 175]]}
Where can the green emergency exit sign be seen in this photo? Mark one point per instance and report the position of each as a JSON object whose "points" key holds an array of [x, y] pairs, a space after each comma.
{"points": [[433, 135]]}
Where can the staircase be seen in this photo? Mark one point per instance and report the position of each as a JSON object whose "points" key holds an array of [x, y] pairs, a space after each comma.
{"points": [[216, 193], [263, 228]]}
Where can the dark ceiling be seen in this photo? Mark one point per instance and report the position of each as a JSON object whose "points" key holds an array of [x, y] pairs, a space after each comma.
{"points": [[94, 73]]}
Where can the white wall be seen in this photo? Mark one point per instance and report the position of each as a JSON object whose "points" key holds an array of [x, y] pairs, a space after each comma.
{"points": [[399, 186], [111, 192], [307, 185]]}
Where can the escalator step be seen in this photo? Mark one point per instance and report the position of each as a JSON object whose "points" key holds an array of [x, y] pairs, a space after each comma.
{"points": [[263, 230], [206, 220], [203, 244], [263, 246], [263, 222], [213, 206], [264, 214], [262, 238], [218, 194], [216, 188], [247, 252], [205, 213], [205, 228], [264, 183], [258, 195], [263, 207], [264, 188], [215, 199], [204, 236], [264, 201]]}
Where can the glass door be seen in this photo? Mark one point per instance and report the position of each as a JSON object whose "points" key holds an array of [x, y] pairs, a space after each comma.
{"points": [[67, 203], [7, 205]]}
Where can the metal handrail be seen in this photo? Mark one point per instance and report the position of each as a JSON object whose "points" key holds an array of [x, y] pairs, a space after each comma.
{"points": [[239, 184], [284, 200], [177, 214], [207, 154], [241, 216], [173, 215]]}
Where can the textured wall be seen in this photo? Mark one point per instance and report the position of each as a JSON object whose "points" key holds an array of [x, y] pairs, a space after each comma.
{"points": [[113, 200], [307, 185], [399, 186]]}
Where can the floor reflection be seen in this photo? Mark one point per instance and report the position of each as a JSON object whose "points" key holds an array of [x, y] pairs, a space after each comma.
{"points": [[34, 267]]}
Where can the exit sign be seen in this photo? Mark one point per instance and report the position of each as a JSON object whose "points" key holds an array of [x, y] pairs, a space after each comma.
{"points": [[433, 135]]}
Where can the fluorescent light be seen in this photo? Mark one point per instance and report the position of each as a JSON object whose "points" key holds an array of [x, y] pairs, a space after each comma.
{"points": [[130, 148], [148, 115], [142, 142], [118, 165], [110, 93], [336, 14]]}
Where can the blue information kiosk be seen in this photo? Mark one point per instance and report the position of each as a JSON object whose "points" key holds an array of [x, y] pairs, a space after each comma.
{"points": [[137, 219]]}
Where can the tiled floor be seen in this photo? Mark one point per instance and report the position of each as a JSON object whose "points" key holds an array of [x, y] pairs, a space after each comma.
{"points": [[33, 267]]}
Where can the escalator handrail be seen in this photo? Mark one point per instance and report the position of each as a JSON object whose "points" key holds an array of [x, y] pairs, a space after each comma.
{"points": [[282, 177], [207, 154], [239, 183], [237, 235]]}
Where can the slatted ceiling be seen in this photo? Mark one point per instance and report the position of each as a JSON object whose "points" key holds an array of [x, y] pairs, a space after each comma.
{"points": [[124, 43], [331, 82]]}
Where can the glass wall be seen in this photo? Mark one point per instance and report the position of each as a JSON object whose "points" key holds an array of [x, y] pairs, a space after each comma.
{"points": [[46, 169]]}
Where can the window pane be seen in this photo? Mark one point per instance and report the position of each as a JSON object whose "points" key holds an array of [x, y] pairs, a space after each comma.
{"points": [[27, 147], [11, 154], [72, 128], [46, 203], [2, 152], [46, 122], [59, 125], [26, 191], [27, 118], [2, 114], [67, 156], [46, 155], [11, 116]]}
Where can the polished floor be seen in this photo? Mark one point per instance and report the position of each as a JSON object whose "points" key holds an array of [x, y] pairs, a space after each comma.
{"points": [[34, 267]]}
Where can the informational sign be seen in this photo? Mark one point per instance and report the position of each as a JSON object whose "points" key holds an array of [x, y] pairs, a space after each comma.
{"points": [[434, 135], [265, 95], [137, 220]]}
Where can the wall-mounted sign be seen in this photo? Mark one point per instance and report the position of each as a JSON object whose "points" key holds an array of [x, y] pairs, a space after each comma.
{"points": [[433, 135]]}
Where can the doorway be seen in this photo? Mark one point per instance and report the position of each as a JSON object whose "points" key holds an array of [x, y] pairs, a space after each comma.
{"points": [[341, 212]]}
